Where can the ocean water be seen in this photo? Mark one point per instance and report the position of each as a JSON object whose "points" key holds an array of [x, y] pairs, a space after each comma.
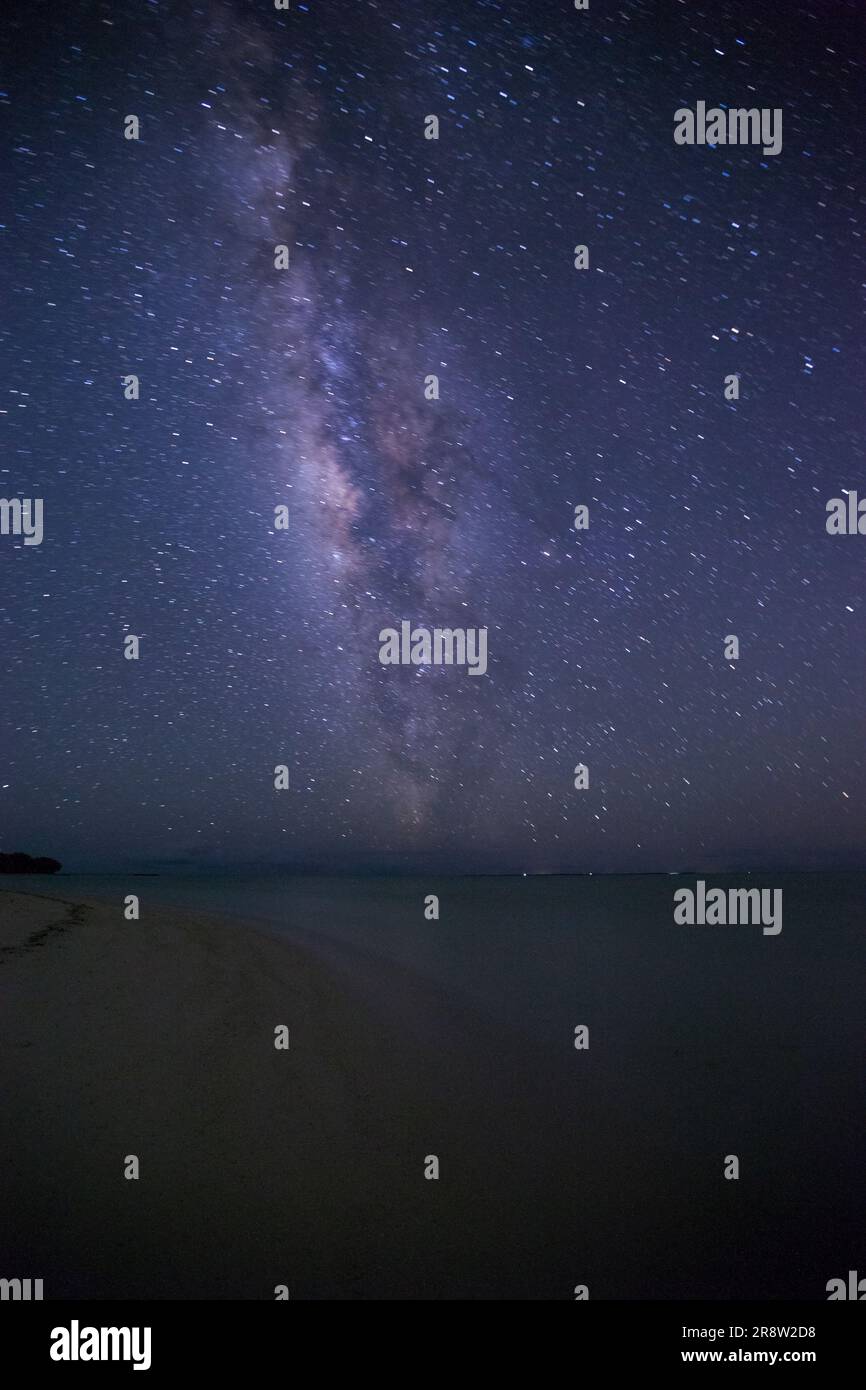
{"points": [[538, 956], [519, 946]]}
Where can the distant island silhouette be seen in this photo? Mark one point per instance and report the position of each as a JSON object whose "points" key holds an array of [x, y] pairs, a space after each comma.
{"points": [[18, 863]]}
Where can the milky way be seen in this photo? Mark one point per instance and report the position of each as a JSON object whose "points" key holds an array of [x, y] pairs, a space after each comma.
{"points": [[305, 387]]}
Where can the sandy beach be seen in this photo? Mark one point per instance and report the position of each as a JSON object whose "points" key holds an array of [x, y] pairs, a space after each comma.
{"points": [[258, 1167], [305, 1167], [157, 1039]]}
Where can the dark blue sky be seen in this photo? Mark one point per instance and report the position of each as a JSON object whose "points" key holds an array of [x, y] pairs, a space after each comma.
{"points": [[558, 387]]}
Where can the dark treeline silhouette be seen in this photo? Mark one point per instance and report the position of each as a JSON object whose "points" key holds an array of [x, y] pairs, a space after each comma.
{"points": [[26, 864]]}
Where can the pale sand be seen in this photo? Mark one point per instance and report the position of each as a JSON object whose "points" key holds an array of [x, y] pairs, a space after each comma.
{"points": [[154, 1038], [258, 1166]]}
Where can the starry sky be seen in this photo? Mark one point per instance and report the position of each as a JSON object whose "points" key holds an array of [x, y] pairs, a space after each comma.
{"points": [[305, 387]]}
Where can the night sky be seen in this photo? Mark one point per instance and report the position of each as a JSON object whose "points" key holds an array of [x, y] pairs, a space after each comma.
{"points": [[305, 387]]}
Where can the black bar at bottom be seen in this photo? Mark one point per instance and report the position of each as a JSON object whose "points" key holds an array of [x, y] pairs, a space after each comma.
{"points": [[226, 1337]]}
